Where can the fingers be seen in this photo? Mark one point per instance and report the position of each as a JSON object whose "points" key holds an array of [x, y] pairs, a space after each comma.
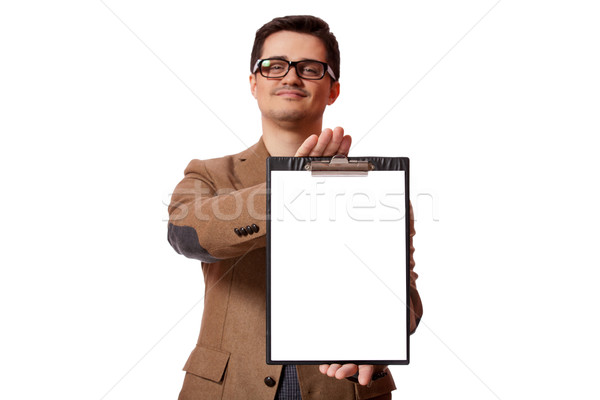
{"points": [[327, 144], [345, 371], [365, 372], [334, 143], [332, 369], [338, 371], [324, 139], [345, 145], [306, 147]]}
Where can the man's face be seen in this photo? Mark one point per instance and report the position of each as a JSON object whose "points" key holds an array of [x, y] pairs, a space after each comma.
{"points": [[292, 99]]}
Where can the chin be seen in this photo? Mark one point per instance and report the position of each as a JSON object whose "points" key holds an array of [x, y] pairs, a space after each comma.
{"points": [[287, 115]]}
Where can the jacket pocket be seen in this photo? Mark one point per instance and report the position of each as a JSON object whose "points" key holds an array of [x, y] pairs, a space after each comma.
{"points": [[207, 363], [377, 388]]}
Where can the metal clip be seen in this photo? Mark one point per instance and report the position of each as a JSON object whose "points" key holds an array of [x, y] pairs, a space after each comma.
{"points": [[339, 165]]}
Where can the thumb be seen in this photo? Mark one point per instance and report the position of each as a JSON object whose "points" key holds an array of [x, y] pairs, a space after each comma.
{"points": [[307, 146], [365, 372]]}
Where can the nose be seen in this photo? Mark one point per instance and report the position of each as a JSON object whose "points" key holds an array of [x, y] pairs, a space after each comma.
{"points": [[292, 78]]}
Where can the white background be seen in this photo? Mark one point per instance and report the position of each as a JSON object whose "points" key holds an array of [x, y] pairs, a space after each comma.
{"points": [[102, 105]]}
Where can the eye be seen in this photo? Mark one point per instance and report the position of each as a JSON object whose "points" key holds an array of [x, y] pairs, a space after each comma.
{"points": [[274, 64], [311, 69]]}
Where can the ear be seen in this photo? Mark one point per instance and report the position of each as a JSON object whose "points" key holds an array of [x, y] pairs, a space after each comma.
{"points": [[253, 84], [334, 92]]}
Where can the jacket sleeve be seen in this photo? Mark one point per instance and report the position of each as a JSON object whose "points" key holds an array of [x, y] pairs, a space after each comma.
{"points": [[416, 307], [209, 223]]}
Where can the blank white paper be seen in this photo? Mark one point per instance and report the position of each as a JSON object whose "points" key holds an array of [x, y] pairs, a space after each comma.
{"points": [[338, 267]]}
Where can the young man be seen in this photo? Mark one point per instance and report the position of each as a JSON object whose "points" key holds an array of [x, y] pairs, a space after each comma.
{"points": [[218, 214]]}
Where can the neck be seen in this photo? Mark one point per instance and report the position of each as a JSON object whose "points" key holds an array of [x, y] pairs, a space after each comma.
{"points": [[284, 139]]}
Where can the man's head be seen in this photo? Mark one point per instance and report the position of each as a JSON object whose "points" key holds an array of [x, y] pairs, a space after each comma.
{"points": [[301, 24], [295, 98]]}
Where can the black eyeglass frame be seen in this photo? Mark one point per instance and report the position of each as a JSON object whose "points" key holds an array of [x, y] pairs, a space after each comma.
{"points": [[326, 68]]}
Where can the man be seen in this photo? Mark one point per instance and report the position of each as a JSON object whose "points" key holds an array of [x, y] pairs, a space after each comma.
{"points": [[218, 213]]}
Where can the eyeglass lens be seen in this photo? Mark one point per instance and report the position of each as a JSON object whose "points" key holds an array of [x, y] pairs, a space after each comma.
{"points": [[305, 69]]}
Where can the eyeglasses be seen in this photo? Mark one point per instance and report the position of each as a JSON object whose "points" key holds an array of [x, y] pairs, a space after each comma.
{"points": [[305, 69]]}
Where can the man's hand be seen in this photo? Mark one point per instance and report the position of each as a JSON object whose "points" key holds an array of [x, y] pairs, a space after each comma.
{"points": [[327, 144], [365, 372]]}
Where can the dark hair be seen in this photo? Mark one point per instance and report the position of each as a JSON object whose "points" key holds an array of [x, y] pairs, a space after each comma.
{"points": [[301, 24]]}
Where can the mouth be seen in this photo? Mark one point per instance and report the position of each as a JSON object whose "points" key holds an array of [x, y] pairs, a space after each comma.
{"points": [[291, 94]]}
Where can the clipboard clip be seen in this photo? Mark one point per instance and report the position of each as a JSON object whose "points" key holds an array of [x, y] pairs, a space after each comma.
{"points": [[339, 165]]}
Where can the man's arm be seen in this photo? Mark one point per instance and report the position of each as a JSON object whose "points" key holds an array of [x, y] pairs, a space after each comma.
{"points": [[211, 224]]}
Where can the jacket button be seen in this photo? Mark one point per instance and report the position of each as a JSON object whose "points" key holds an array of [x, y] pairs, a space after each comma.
{"points": [[244, 231], [255, 227], [250, 230], [237, 231], [270, 382]]}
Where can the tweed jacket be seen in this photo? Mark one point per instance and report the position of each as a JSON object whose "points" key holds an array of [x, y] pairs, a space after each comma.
{"points": [[209, 208]]}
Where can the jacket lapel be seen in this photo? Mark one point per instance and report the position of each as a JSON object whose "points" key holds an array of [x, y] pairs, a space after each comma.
{"points": [[250, 165]]}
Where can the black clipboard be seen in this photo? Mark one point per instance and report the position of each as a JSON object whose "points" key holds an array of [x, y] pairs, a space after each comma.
{"points": [[338, 260]]}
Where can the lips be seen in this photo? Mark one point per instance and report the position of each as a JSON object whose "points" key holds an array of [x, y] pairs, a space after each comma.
{"points": [[291, 93]]}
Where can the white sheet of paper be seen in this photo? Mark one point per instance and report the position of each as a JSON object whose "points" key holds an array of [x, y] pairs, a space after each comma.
{"points": [[338, 267]]}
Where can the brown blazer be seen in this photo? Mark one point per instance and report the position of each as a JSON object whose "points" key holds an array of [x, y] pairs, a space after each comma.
{"points": [[217, 215]]}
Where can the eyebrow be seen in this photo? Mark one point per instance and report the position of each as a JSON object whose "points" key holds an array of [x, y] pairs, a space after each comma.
{"points": [[284, 58], [276, 58]]}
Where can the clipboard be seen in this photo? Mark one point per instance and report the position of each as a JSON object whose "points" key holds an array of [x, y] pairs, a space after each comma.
{"points": [[337, 260]]}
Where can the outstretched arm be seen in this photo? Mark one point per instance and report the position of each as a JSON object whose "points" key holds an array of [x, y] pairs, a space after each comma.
{"points": [[211, 224]]}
